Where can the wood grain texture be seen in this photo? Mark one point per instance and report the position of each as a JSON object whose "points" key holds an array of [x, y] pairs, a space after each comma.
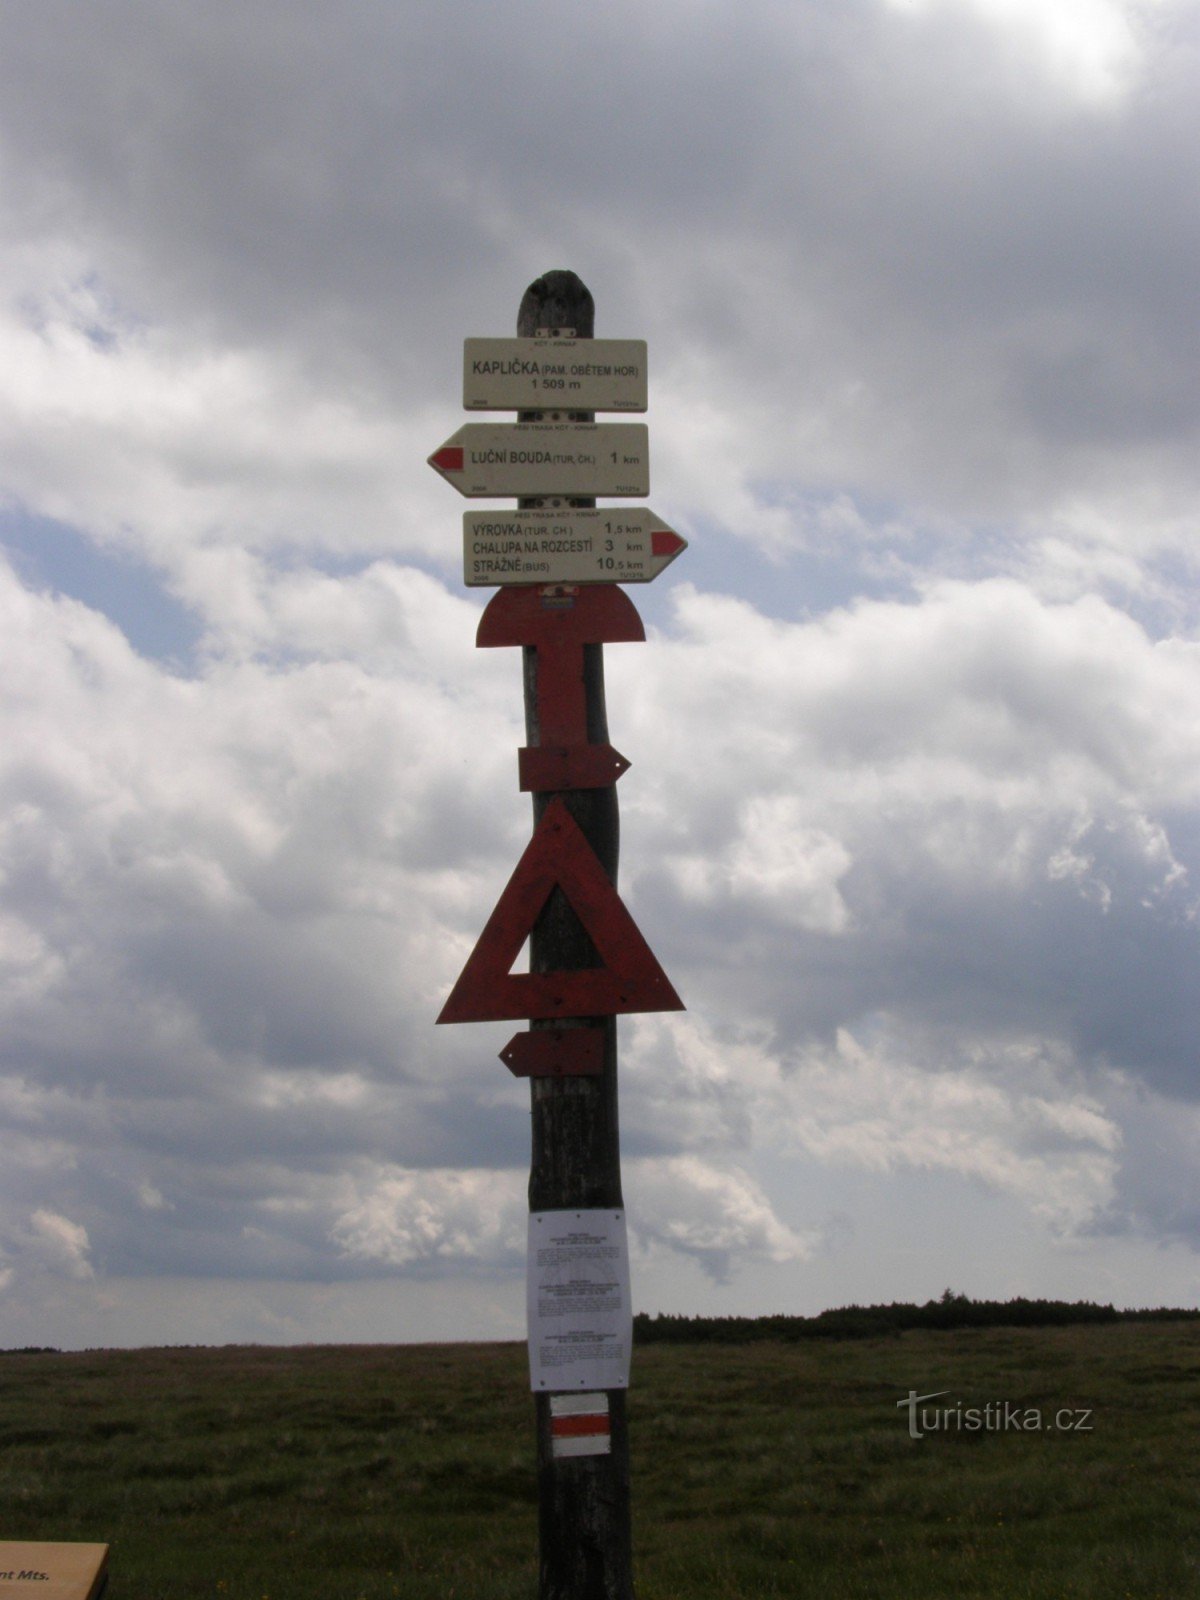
{"points": [[585, 1548]]}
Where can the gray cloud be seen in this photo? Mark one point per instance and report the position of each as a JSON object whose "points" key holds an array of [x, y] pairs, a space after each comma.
{"points": [[911, 820], [942, 269]]}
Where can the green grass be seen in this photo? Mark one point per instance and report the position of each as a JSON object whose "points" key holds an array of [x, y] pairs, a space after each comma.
{"points": [[758, 1470]]}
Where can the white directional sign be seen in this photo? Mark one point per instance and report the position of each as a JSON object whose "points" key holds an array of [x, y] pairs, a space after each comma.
{"points": [[574, 545], [535, 458], [554, 374]]}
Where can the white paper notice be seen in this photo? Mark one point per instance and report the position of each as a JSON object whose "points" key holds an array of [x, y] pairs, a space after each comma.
{"points": [[577, 1292]]}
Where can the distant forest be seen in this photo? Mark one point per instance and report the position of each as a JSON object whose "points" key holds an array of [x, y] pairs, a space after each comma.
{"points": [[864, 1322]]}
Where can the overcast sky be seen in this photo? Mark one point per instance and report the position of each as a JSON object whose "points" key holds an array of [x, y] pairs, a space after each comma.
{"points": [[913, 820]]}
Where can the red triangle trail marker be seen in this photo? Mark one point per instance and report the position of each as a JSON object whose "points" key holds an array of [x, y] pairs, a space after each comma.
{"points": [[629, 979]]}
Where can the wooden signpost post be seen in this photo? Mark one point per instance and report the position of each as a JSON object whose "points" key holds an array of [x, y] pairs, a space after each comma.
{"points": [[588, 961]]}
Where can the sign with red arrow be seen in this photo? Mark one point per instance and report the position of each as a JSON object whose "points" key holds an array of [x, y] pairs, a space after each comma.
{"points": [[629, 977], [546, 458], [614, 544]]}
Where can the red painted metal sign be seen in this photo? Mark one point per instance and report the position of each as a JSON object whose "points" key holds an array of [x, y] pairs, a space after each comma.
{"points": [[582, 766], [557, 622], [555, 1053], [629, 977]]}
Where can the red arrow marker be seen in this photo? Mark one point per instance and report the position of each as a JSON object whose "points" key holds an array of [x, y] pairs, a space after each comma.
{"points": [[448, 459], [584, 766], [555, 1053], [665, 542]]}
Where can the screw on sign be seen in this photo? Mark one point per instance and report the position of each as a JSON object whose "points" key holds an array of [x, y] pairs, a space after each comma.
{"points": [[554, 566]]}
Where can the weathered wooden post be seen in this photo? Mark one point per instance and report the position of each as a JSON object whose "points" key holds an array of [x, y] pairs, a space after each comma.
{"points": [[555, 560], [583, 1505]]}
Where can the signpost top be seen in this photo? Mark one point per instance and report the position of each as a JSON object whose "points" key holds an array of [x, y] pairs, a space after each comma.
{"points": [[541, 373]]}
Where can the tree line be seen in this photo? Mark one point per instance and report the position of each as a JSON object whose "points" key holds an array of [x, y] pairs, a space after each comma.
{"points": [[952, 1310]]}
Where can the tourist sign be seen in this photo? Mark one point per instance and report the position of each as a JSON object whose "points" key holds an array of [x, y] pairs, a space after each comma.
{"points": [[546, 458], [554, 374], [614, 544]]}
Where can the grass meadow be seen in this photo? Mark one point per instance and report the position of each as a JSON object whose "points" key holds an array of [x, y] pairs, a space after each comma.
{"points": [[758, 1470]]}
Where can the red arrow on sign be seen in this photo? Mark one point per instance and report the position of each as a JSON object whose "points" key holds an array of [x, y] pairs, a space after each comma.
{"points": [[568, 545], [554, 458], [665, 542]]}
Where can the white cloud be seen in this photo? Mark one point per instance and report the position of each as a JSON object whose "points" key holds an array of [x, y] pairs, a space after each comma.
{"points": [[775, 862], [718, 1216], [251, 888], [59, 1245], [1093, 48], [978, 1117], [405, 1217], [979, 736], [1011, 1114], [178, 451]]}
